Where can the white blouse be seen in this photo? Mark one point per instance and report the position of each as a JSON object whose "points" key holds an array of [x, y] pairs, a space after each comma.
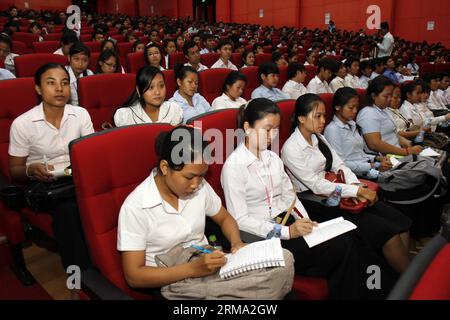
{"points": [[169, 112], [225, 102]]}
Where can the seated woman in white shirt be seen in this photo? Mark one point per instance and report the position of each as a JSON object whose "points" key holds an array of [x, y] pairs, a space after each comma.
{"points": [[225, 48], [180, 200], [154, 56], [366, 73], [338, 81], [269, 75], [146, 104], [233, 88], [325, 70], [39, 147], [108, 62], [294, 87], [422, 107], [352, 78], [308, 157], [191, 102], [79, 56], [251, 173], [248, 59], [344, 137], [169, 48], [310, 58]]}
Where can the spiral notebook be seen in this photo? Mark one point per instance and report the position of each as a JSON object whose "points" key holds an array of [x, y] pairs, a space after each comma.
{"points": [[256, 255]]}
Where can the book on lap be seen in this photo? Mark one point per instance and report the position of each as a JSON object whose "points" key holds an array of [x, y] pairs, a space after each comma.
{"points": [[328, 230]]}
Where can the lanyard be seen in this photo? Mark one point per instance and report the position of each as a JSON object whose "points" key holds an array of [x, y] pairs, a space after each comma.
{"points": [[269, 198]]}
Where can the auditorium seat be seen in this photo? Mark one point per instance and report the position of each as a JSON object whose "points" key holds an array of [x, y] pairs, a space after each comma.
{"points": [[176, 58], [311, 72], [262, 57], [52, 37], [27, 65], [287, 109], [211, 83], [27, 38], [135, 61], [119, 38], [283, 78], [18, 47], [225, 121], [102, 94], [328, 99], [102, 186], [252, 81], [171, 83], [94, 46], [46, 46], [93, 61], [124, 48], [209, 59], [85, 37]]}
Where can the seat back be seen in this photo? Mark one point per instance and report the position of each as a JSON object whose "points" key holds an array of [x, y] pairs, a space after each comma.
{"points": [[18, 47], [94, 46], [27, 38], [53, 37], [176, 58], [27, 65], [283, 76], [102, 94], [287, 109], [252, 81], [220, 121], [208, 59], [136, 60], [236, 59], [16, 97], [93, 61], [211, 83], [328, 99], [171, 83], [311, 72], [106, 169], [262, 57], [46, 46]]}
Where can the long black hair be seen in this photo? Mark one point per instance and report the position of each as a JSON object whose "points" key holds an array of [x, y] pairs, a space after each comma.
{"points": [[304, 105], [144, 78], [181, 145], [232, 78], [342, 96], [376, 86], [408, 87], [105, 55], [256, 110]]}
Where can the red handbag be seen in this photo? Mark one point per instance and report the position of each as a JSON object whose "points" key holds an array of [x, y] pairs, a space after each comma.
{"points": [[348, 204]]}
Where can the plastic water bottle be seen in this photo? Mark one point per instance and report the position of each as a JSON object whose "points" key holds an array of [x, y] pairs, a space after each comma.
{"points": [[335, 197], [418, 140], [373, 173], [275, 232], [214, 243]]}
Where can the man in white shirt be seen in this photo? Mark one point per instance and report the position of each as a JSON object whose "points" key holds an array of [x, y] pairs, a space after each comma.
{"points": [[443, 92], [67, 40], [225, 49], [434, 101], [210, 44], [325, 69], [366, 73], [79, 56], [294, 86], [386, 47], [192, 53], [6, 74]]}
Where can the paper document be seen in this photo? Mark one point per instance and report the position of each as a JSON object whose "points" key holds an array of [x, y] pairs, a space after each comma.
{"points": [[328, 230], [428, 152]]}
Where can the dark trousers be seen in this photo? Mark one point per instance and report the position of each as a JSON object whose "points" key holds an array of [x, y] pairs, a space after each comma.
{"points": [[69, 234]]}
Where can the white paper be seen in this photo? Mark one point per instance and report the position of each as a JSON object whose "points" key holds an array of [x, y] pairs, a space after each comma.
{"points": [[428, 152], [395, 162], [328, 230], [63, 172]]}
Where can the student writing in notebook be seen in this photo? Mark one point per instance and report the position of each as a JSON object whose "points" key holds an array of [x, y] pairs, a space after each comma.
{"points": [[169, 209], [257, 190]]}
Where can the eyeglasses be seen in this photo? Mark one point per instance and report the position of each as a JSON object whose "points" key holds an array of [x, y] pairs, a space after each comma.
{"points": [[110, 65]]}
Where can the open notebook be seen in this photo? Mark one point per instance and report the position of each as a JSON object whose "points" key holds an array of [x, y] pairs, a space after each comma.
{"points": [[256, 255], [328, 230]]}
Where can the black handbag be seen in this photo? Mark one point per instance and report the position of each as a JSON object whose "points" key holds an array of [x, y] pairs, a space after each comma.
{"points": [[43, 196]]}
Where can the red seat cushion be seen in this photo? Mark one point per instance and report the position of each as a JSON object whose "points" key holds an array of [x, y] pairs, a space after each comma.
{"points": [[171, 83], [209, 59], [283, 78], [18, 47], [94, 46], [93, 61], [102, 94], [46, 46], [328, 99], [176, 58], [262, 57], [211, 83], [311, 288], [236, 58], [252, 81], [28, 64], [287, 109], [311, 72], [136, 61], [25, 37]]}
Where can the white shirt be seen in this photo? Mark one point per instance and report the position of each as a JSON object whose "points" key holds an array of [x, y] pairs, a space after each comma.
{"points": [[443, 96], [148, 223], [426, 113], [166, 58], [32, 136], [201, 67], [294, 89], [386, 46], [337, 83], [434, 103], [220, 64], [305, 165], [410, 112], [365, 81], [352, 82], [9, 63], [317, 86], [6, 74], [205, 51], [225, 102], [74, 85], [250, 184], [169, 112], [59, 51]]}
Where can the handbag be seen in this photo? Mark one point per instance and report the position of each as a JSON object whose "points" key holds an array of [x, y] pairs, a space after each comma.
{"points": [[44, 196], [348, 204]]}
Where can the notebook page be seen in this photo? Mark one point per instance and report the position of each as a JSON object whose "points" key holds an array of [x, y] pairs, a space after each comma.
{"points": [[328, 230]]}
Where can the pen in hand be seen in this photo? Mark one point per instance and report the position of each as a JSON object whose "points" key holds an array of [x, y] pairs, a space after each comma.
{"points": [[202, 249]]}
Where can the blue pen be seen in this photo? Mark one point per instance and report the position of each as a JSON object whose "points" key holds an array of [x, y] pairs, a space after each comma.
{"points": [[202, 249]]}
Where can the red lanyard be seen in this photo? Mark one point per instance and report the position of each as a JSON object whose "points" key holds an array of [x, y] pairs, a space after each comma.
{"points": [[269, 198]]}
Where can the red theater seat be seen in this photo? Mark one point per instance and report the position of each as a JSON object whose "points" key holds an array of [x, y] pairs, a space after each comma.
{"points": [[311, 72], [171, 83], [53, 37], [176, 58], [236, 59], [27, 65], [211, 83], [119, 38], [85, 37], [93, 61], [328, 98], [136, 60], [18, 47], [283, 76], [94, 46], [262, 57], [124, 48], [252, 81], [102, 94], [46, 46], [287, 109], [102, 186], [27, 38], [209, 59]]}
